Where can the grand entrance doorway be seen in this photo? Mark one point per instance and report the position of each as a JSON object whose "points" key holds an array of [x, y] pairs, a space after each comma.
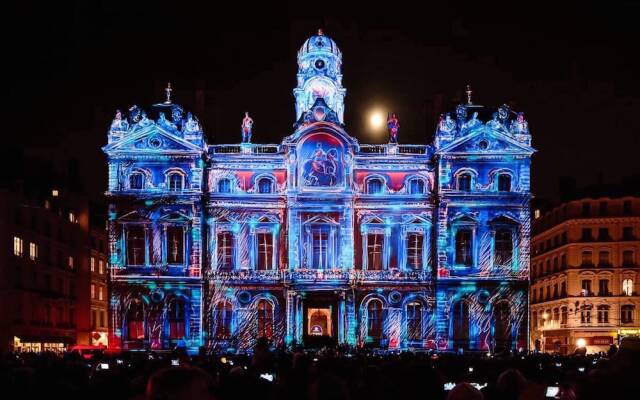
{"points": [[320, 319]]}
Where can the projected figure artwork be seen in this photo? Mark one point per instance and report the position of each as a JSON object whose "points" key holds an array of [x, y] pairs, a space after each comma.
{"points": [[318, 239]]}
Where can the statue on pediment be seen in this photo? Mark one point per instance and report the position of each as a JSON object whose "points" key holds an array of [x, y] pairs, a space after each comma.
{"points": [[163, 122], [503, 115], [393, 123], [177, 116], [144, 121], [119, 124], [520, 125], [192, 125], [247, 127], [446, 124], [472, 123], [461, 116], [494, 123], [135, 114]]}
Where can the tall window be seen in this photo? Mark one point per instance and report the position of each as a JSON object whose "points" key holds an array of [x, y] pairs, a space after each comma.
{"points": [[502, 324], [414, 320], [586, 235], [460, 320], [265, 250], [265, 319], [374, 319], [320, 246], [586, 287], [175, 181], [222, 316], [504, 183], [415, 242], [603, 259], [563, 289], [627, 233], [626, 314], [626, 207], [416, 186], [33, 251], [587, 259], [374, 186], [603, 314], [136, 181], [18, 246], [563, 315], [224, 186], [135, 321], [586, 209], [603, 287], [603, 234], [375, 244], [265, 185], [464, 243], [175, 245], [464, 182], [627, 287], [504, 247], [92, 264], [585, 316], [135, 245], [627, 258], [176, 318], [603, 207], [225, 250]]}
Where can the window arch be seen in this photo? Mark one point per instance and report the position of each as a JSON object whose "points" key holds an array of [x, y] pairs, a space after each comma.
{"points": [[465, 180], [176, 313], [135, 321], [222, 317], [375, 319], [175, 181], [265, 319], [136, 180], [375, 185], [416, 185], [265, 185], [627, 287], [224, 185]]}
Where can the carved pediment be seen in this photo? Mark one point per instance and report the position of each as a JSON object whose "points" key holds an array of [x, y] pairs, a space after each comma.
{"points": [[486, 141], [152, 139]]}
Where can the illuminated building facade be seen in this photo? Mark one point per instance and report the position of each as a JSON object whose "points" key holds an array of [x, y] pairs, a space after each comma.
{"points": [[319, 239], [584, 279], [98, 289]]}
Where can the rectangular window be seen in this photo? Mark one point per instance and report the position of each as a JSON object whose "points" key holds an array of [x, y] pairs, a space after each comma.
{"points": [[603, 287], [18, 246], [92, 264], [72, 217], [627, 258], [135, 245], [563, 316], [587, 259], [33, 251], [175, 245], [375, 242], [603, 315], [603, 259], [93, 319], [627, 207], [586, 235], [586, 209], [503, 247], [100, 293], [586, 287], [102, 319], [93, 291], [603, 234], [414, 321], [225, 250], [100, 267], [70, 262], [585, 316], [627, 233], [320, 247], [464, 243], [564, 237], [414, 245], [603, 208], [265, 250]]}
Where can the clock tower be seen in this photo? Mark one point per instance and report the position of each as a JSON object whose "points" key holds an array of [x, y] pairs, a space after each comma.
{"points": [[319, 75]]}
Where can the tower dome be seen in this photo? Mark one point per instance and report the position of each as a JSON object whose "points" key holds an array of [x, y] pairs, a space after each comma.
{"points": [[319, 75]]}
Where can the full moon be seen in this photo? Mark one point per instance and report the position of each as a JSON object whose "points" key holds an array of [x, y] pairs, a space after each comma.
{"points": [[376, 120]]}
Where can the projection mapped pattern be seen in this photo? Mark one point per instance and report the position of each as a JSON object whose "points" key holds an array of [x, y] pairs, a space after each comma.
{"points": [[319, 239]]}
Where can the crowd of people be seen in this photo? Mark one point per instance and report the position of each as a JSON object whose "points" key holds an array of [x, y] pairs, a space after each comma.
{"points": [[327, 374]]}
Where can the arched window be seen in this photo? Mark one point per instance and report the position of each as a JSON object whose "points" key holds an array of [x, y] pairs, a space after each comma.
{"points": [[224, 186], [627, 287], [460, 324], [265, 319], [136, 181], [603, 314], [222, 319], [626, 313], [135, 245], [265, 185], [416, 186], [175, 181], [504, 183], [504, 247], [502, 325], [464, 242], [176, 319], [374, 319], [464, 182], [414, 320], [374, 186], [135, 321]]}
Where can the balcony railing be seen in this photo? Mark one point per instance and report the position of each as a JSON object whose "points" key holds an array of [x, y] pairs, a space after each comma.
{"points": [[316, 275]]}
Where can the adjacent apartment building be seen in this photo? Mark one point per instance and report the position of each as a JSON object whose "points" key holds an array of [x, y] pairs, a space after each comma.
{"points": [[584, 274]]}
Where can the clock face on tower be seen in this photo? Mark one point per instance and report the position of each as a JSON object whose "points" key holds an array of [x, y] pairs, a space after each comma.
{"points": [[319, 64]]}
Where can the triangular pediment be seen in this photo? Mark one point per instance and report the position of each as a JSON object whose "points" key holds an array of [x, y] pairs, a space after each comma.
{"points": [[151, 139], [486, 141]]}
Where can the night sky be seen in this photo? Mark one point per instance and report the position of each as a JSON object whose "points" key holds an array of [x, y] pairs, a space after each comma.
{"points": [[571, 68]]}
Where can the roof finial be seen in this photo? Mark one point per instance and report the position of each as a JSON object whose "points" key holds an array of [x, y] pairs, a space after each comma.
{"points": [[469, 91], [320, 33], [168, 91]]}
